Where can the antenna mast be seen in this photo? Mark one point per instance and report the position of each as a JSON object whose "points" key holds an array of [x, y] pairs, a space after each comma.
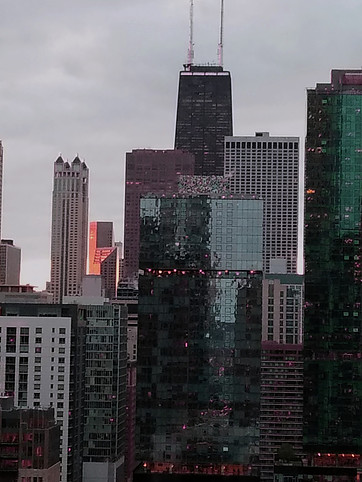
{"points": [[220, 50], [190, 54]]}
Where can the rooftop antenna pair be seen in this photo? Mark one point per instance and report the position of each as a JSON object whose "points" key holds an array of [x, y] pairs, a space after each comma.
{"points": [[220, 49]]}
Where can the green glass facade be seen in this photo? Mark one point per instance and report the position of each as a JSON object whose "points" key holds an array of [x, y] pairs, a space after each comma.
{"points": [[105, 383], [333, 272], [198, 378]]}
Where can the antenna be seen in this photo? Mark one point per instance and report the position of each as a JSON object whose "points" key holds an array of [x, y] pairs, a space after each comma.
{"points": [[220, 49], [190, 54]]}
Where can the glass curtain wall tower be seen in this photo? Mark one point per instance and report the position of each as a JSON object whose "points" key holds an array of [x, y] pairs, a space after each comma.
{"points": [[333, 256], [204, 116], [198, 378]]}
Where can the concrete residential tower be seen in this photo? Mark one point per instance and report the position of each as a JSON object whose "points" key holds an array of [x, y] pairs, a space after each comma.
{"points": [[69, 227]]}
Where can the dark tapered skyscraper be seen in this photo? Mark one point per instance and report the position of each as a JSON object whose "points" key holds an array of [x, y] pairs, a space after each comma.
{"points": [[204, 116], [333, 255]]}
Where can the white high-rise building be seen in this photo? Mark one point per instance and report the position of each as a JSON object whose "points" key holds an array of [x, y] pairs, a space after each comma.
{"points": [[69, 227], [35, 367], [268, 167]]}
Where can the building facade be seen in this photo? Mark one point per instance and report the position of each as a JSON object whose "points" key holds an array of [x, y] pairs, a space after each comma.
{"points": [[199, 332], [148, 171], [204, 116], [69, 234], [42, 366], [104, 256], [10, 262], [29, 444], [105, 393], [283, 296], [333, 275], [269, 168], [281, 403]]}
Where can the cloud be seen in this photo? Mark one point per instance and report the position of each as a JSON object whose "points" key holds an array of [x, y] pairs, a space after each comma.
{"points": [[99, 78]]}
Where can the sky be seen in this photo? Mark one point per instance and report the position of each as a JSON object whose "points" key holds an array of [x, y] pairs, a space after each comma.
{"points": [[99, 78]]}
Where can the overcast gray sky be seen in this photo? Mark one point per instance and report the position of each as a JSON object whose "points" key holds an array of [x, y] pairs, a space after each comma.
{"points": [[99, 78]]}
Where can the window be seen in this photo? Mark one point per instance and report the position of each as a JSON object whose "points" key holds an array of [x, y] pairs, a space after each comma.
{"points": [[62, 341], [62, 331], [37, 340]]}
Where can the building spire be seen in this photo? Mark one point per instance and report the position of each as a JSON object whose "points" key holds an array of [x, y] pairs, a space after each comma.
{"points": [[190, 53], [220, 50]]}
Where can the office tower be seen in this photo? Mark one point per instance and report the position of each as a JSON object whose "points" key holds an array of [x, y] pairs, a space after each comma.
{"points": [[333, 274], [281, 404], [100, 236], [204, 116], [104, 256], [148, 171], [42, 365], [105, 393], [10, 260], [283, 308], [29, 444], [1, 182], [199, 333], [69, 227], [269, 168]]}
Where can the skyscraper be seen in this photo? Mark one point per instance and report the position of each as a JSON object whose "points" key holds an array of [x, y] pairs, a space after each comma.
{"points": [[198, 380], [10, 260], [269, 168], [69, 227], [100, 236], [204, 116], [43, 366], [333, 269], [103, 256], [148, 171], [105, 393]]}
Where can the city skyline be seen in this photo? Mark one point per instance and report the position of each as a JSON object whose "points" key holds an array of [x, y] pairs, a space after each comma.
{"points": [[62, 90]]}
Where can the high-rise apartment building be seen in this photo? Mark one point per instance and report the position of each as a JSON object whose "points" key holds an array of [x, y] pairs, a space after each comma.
{"points": [[281, 403], [69, 235], [10, 261], [204, 116], [42, 366], [105, 393], [104, 256], [148, 171], [199, 332], [333, 273], [268, 167]]}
